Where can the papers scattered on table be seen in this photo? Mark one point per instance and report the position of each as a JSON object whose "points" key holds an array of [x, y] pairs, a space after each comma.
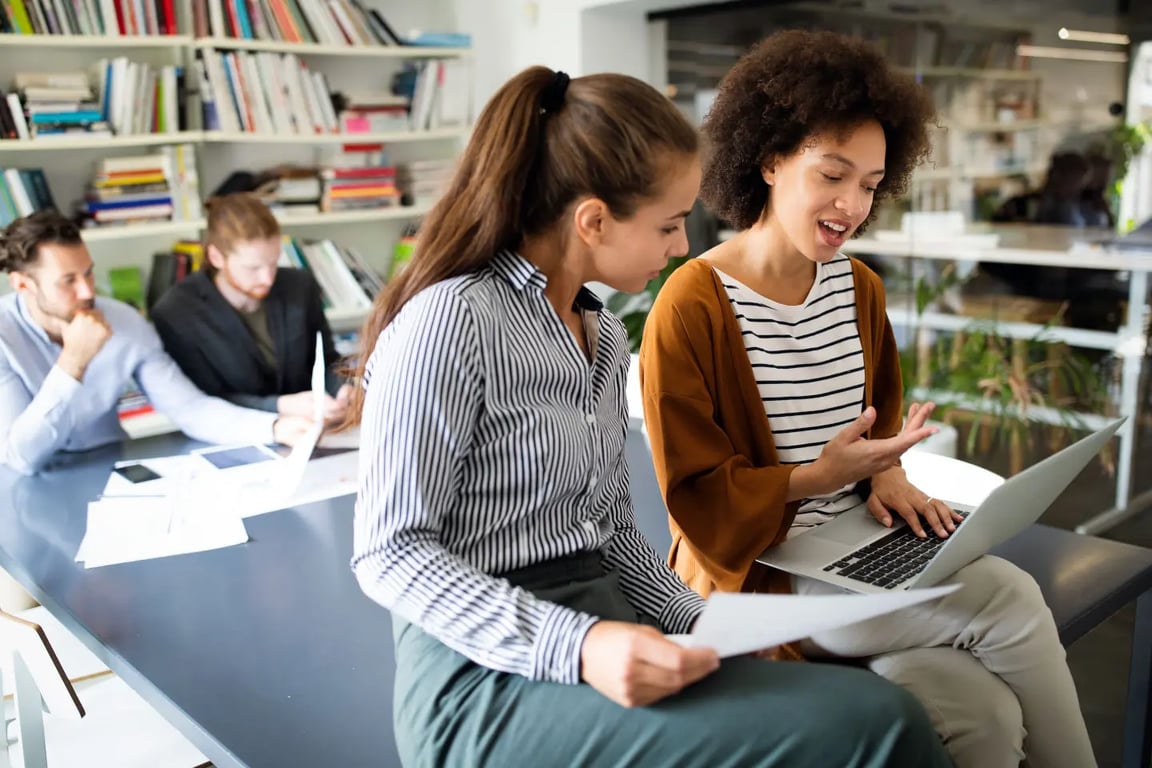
{"points": [[738, 623], [129, 528]]}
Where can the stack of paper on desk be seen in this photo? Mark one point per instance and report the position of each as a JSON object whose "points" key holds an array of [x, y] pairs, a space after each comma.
{"points": [[738, 623], [129, 528]]}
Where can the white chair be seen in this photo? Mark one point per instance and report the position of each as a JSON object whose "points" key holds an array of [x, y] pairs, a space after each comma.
{"points": [[99, 721]]}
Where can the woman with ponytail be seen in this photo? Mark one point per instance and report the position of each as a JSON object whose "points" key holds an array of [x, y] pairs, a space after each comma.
{"points": [[494, 519]]}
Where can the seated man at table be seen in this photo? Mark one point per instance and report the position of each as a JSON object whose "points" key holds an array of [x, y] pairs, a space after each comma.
{"points": [[66, 356], [243, 328]]}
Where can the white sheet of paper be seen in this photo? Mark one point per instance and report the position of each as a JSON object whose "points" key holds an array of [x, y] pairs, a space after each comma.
{"points": [[256, 489], [318, 382], [323, 478], [127, 529], [739, 623]]}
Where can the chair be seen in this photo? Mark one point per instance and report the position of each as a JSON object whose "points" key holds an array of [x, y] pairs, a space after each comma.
{"points": [[116, 720]]}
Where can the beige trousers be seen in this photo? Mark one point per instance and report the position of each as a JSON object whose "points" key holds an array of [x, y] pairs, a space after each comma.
{"points": [[986, 663]]}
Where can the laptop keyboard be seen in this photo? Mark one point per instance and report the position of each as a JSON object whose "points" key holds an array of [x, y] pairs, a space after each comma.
{"points": [[891, 559]]}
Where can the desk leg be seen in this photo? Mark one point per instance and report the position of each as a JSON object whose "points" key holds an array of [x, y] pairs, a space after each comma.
{"points": [[1137, 731], [1132, 348]]}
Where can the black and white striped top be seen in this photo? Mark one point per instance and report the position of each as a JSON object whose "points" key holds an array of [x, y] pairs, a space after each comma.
{"points": [[809, 367], [489, 443]]}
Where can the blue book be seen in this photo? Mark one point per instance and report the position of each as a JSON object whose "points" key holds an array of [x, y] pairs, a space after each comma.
{"points": [[242, 17], [441, 40], [67, 118], [110, 205]]}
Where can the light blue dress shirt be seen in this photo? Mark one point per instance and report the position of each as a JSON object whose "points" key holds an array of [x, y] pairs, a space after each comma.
{"points": [[44, 410]]}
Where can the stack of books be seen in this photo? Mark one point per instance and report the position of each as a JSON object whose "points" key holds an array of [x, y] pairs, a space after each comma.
{"points": [[349, 189], [292, 193], [143, 188], [43, 106], [23, 191], [421, 182], [374, 113], [357, 177]]}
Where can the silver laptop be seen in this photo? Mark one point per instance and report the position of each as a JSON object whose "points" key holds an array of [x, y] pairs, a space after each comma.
{"points": [[855, 552]]}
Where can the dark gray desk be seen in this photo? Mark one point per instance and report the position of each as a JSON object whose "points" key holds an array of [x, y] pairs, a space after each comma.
{"points": [[266, 654]]}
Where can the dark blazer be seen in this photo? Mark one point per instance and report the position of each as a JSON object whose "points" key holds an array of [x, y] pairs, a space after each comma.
{"points": [[208, 339]]}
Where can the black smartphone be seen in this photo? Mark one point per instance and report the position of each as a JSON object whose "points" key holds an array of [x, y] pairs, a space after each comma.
{"points": [[136, 473]]}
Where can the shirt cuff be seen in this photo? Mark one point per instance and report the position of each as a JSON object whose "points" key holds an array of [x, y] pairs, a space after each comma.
{"points": [[60, 383], [557, 652], [57, 391], [681, 612], [271, 428]]}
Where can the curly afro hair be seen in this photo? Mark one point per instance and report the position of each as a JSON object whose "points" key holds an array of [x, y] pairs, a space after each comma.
{"points": [[796, 85]]}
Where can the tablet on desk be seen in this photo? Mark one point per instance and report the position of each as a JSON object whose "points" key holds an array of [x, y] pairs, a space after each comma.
{"points": [[236, 456]]}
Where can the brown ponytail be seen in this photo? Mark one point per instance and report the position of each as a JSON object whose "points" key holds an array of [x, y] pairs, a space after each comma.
{"points": [[606, 135]]}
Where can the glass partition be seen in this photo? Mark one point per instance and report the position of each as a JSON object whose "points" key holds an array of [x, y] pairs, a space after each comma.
{"points": [[1016, 301]]}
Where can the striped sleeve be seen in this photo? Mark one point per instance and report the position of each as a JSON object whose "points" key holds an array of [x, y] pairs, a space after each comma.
{"points": [[421, 408], [650, 586]]}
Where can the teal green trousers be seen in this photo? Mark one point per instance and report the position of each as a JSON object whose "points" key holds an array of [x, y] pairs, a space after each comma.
{"points": [[450, 711]]}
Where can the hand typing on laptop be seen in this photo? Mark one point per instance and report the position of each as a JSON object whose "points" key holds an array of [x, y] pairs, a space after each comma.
{"points": [[891, 492]]}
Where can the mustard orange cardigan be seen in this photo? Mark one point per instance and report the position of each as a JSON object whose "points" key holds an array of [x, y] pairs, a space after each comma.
{"points": [[713, 451]]}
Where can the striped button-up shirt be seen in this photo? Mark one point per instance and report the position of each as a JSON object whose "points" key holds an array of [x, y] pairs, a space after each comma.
{"points": [[489, 443]]}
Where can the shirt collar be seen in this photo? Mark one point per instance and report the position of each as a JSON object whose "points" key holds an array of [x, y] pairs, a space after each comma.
{"points": [[29, 322], [521, 274], [518, 271]]}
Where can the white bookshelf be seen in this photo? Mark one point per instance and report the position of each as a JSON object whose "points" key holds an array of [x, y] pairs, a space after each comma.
{"points": [[392, 137], [345, 320], [975, 73], [320, 49], [127, 231], [995, 126], [77, 142], [348, 68], [399, 213], [95, 42]]}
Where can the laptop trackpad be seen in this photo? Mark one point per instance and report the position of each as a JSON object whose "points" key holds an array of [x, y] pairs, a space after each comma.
{"points": [[856, 530]]}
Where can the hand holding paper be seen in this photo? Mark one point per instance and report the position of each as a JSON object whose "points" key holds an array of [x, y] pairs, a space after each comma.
{"points": [[738, 623]]}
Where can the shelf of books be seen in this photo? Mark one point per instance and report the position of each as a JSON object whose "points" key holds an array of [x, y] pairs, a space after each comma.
{"points": [[395, 213], [141, 230], [975, 73], [390, 137], [93, 42], [320, 49], [94, 140], [345, 319]]}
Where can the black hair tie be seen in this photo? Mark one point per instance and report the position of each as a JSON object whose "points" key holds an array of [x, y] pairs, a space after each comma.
{"points": [[553, 97]]}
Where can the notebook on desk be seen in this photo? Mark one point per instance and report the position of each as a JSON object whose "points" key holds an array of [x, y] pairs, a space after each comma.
{"points": [[856, 553]]}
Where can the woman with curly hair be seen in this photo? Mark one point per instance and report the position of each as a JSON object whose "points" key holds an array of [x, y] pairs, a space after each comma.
{"points": [[772, 395]]}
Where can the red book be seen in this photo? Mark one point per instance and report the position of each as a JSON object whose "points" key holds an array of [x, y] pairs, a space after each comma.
{"points": [[369, 172]]}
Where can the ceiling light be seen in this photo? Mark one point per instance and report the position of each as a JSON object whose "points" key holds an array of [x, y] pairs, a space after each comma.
{"points": [[1084, 36], [1072, 54]]}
